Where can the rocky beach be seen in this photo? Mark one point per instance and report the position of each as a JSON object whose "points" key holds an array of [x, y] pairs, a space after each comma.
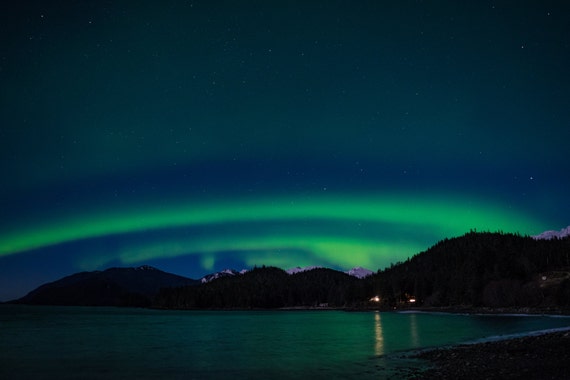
{"points": [[544, 356]]}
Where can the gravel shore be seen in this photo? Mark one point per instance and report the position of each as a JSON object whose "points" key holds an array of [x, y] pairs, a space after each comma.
{"points": [[544, 356]]}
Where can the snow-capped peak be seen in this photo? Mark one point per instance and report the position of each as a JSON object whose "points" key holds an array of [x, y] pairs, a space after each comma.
{"points": [[359, 272], [224, 273], [299, 269], [547, 235]]}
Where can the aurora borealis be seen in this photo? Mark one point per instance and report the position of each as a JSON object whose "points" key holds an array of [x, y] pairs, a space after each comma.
{"points": [[196, 136]]}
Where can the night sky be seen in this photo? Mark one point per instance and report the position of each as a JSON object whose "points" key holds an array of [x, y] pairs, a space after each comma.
{"points": [[199, 135]]}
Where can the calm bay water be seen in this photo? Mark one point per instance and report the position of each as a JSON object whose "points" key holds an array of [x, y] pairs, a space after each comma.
{"points": [[93, 343]]}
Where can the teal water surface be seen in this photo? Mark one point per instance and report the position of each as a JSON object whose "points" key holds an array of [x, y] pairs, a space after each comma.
{"points": [[93, 343]]}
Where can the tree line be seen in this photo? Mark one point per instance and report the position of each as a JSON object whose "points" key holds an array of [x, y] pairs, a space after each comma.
{"points": [[476, 269], [267, 287]]}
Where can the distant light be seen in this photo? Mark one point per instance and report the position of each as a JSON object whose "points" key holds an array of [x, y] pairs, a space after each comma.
{"points": [[375, 299], [412, 300]]}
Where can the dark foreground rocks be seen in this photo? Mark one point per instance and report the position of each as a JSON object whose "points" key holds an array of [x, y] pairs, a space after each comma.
{"points": [[544, 356]]}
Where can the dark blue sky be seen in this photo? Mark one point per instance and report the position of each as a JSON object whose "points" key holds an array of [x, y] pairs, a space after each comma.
{"points": [[199, 135]]}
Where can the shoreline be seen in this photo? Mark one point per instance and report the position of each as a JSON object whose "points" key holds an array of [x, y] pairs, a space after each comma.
{"points": [[466, 310], [539, 355], [497, 310], [459, 310]]}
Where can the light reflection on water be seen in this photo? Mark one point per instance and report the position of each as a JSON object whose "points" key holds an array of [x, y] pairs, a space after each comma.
{"points": [[378, 334], [415, 337], [404, 332]]}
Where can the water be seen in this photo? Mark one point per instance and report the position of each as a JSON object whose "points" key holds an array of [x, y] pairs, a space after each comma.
{"points": [[94, 343]]}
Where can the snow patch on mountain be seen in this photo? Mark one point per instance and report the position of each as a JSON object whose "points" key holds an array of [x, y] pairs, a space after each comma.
{"points": [[547, 235], [224, 273], [299, 269], [359, 272]]}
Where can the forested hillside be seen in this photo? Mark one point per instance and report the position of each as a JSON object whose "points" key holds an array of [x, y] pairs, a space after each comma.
{"points": [[269, 287], [482, 269]]}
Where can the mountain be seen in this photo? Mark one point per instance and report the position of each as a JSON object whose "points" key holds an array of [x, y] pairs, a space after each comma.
{"points": [[299, 269], [111, 287], [547, 235], [474, 270], [359, 272], [224, 273]]}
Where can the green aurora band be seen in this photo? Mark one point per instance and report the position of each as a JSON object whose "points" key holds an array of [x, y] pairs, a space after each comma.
{"points": [[436, 216]]}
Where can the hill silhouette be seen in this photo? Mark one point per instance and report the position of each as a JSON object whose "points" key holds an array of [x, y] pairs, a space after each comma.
{"points": [[267, 287], [111, 287], [482, 269]]}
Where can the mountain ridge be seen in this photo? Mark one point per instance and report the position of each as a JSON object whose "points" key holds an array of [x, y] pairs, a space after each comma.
{"points": [[552, 234], [489, 269], [358, 272], [133, 286], [476, 270]]}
